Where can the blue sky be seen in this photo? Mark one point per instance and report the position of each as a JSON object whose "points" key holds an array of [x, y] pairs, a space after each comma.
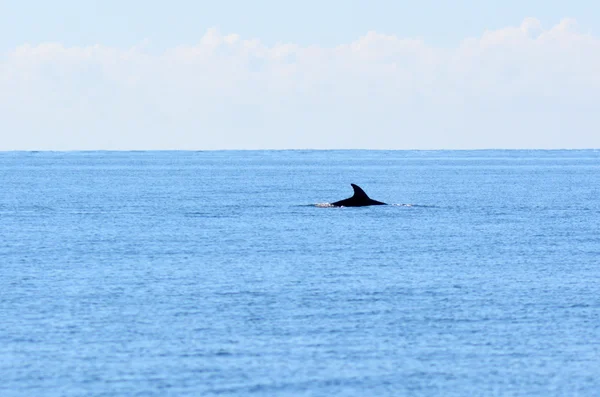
{"points": [[274, 74], [309, 22]]}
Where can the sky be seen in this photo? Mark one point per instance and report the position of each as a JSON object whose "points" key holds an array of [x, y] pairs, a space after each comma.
{"points": [[196, 75]]}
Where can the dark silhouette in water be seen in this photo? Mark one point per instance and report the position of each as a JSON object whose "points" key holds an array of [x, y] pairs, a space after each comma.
{"points": [[360, 199]]}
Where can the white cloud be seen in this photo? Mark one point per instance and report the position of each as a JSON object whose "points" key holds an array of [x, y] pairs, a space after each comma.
{"points": [[521, 86]]}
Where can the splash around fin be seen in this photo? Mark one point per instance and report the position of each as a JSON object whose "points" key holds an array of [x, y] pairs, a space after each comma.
{"points": [[359, 199]]}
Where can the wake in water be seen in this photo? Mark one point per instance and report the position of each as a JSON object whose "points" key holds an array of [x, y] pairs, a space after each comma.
{"points": [[323, 205], [329, 205]]}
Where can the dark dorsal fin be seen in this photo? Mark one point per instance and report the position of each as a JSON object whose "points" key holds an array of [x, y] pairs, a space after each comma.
{"points": [[359, 199], [358, 192]]}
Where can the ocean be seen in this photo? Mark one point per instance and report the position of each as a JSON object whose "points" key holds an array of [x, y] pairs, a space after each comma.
{"points": [[221, 273]]}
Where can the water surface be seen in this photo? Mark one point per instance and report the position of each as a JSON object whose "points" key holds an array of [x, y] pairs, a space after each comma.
{"points": [[214, 273]]}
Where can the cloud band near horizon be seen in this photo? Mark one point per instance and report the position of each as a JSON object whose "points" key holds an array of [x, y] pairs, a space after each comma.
{"points": [[517, 87]]}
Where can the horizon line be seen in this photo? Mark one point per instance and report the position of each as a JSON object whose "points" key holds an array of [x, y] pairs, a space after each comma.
{"points": [[293, 149]]}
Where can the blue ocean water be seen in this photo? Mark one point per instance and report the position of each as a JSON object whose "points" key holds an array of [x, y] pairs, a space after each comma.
{"points": [[214, 273]]}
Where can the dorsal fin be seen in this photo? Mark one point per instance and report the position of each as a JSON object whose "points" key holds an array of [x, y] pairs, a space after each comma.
{"points": [[358, 192], [359, 199]]}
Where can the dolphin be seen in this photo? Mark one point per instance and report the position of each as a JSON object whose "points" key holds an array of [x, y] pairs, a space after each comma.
{"points": [[359, 199]]}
